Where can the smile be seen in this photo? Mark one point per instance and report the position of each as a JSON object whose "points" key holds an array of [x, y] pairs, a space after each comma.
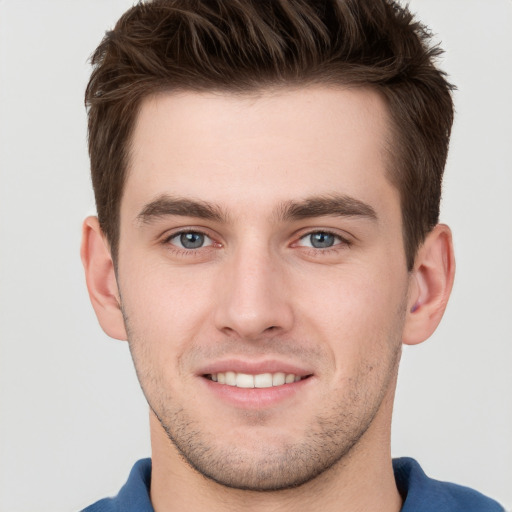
{"points": [[261, 380]]}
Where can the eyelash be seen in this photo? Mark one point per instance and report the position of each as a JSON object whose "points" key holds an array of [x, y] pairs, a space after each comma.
{"points": [[342, 242], [183, 251]]}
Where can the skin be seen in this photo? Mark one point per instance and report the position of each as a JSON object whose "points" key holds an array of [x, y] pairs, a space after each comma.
{"points": [[245, 173]]}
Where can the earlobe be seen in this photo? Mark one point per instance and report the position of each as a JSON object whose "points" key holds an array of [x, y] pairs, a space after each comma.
{"points": [[101, 279], [430, 285]]}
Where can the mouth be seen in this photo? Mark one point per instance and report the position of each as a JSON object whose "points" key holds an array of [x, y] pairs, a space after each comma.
{"points": [[257, 385], [260, 380]]}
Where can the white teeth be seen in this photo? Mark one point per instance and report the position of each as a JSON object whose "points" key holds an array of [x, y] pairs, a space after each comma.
{"points": [[262, 380], [231, 378], [278, 379], [244, 381]]}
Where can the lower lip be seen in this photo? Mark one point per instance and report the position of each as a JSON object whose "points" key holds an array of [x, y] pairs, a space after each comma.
{"points": [[255, 398]]}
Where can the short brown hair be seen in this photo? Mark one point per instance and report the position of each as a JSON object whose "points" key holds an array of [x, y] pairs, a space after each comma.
{"points": [[246, 45]]}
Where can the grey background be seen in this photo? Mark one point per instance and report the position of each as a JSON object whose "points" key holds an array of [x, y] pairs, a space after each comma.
{"points": [[72, 417]]}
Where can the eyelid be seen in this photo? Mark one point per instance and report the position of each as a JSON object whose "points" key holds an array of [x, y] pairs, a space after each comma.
{"points": [[168, 236], [207, 240], [342, 239]]}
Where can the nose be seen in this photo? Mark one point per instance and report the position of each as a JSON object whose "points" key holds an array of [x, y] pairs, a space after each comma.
{"points": [[253, 299]]}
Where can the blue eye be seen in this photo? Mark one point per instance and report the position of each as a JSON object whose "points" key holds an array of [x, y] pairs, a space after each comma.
{"points": [[320, 240], [191, 240]]}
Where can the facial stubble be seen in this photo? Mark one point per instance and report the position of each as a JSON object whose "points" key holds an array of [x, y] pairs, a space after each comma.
{"points": [[260, 465]]}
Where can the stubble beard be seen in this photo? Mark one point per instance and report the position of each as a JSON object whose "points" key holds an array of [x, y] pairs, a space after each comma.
{"points": [[264, 466]]}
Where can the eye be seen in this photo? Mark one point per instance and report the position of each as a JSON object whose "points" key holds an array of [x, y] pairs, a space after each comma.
{"points": [[320, 240], [190, 240]]}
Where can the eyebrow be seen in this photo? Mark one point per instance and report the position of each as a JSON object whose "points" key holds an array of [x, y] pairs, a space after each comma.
{"points": [[316, 206], [167, 205], [330, 205]]}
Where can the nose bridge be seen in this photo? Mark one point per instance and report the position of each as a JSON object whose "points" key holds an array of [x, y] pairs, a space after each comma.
{"points": [[254, 301]]}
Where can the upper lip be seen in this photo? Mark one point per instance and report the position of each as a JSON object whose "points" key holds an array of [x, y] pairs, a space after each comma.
{"points": [[254, 367]]}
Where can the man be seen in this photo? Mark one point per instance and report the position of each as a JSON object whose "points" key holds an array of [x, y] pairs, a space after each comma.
{"points": [[267, 178]]}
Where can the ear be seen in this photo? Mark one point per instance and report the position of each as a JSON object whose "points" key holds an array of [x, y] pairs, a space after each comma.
{"points": [[101, 279], [430, 285]]}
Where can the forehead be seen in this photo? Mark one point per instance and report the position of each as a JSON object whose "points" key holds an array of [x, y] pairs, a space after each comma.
{"points": [[274, 145]]}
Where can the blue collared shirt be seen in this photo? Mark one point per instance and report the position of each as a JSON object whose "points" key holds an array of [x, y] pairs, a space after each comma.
{"points": [[420, 493]]}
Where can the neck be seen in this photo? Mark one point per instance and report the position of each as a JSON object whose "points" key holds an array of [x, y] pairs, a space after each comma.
{"points": [[362, 481]]}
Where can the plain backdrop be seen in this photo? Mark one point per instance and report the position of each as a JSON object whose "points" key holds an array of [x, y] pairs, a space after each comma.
{"points": [[72, 417]]}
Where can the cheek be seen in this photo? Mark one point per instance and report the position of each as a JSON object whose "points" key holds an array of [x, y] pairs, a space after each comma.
{"points": [[164, 307], [355, 293], [358, 312]]}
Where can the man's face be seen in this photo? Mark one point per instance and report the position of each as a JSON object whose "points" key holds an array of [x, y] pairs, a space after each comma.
{"points": [[261, 245]]}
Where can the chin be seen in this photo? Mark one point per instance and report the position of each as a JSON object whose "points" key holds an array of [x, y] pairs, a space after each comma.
{"points": [[264, 463]]}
